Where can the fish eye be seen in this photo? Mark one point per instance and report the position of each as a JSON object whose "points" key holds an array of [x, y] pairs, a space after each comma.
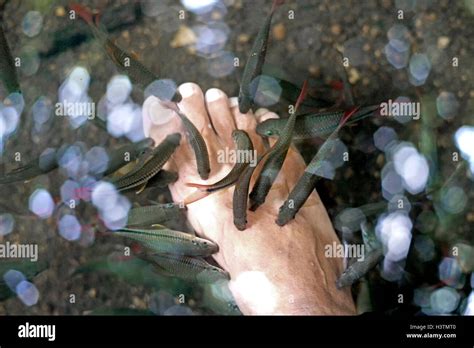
{"points": [[194, 242], [269, 133]]}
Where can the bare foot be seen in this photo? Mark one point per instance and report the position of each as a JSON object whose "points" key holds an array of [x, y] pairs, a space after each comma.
{"points": [[274, 270]]}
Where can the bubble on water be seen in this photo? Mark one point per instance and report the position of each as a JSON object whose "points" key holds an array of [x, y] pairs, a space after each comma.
{"points": [[199, 7], [120, 120], [464, 139], [266, 90], [392, 183], [394, 231], [221, 65], [32, 23], [75, 85], [398, 36], [69, 227], [10, 118], [116, 218], [160, 301], [42, 110], [465, 257], [450, 273], [391, 271], [411, 166], [324, 169], [353, 49], [178, 310], [164, 89], [47, 158], [447, 105], [469, 309], [41, 203], [104, 195], [425, 248], [349, 220], [397, 59], [16, 100], [71, 160], [69, 192], [87, 184], [337, 153], [7, 222], [426, 222], [420, 66], [444, 300], [421, 296], [12, 278], [383, 137], [30, 61], [97, 160], [211, 38], [118, 89], [453, 200], [136, 132], [27, 293]]}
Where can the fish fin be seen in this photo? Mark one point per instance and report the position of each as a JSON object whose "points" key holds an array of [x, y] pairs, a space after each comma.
{"points": [[195, 196], [347, 115], [158, 226], [140, 190], [83, 12], [302, 96]]}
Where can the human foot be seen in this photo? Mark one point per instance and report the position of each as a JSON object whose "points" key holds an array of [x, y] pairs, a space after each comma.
{"points": [[274, 270]]}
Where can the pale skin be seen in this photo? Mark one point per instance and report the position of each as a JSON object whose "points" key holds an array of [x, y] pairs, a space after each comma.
{"points": [[273, 269]]}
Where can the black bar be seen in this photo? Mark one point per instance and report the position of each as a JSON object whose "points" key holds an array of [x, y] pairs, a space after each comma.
{"points": [[365, 329]]}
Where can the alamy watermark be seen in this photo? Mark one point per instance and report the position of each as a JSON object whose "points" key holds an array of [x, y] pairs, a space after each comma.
{"points": [[400, 108], [237, 156], [19, 251], [345, 251], [74, 109]]}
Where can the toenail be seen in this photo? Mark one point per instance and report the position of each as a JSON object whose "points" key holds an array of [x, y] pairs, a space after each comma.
{"points": [[233, 102], [186, 90], [260, 112], [213, 94]]}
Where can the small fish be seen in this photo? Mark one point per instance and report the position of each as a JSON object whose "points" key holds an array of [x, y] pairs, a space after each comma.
{"points": [[253, 67], [8, 73], [313, 125], [125, 61], [42, 165], [164, 240], [195, 140], [127, 153], [154, 214], [243, 144], [188, 268], [306, 183], [359, 268], [275, 158], [158, 157], [239, 200]]}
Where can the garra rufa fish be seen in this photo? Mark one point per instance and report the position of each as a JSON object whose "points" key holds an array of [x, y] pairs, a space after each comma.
{"points": [[154, 214], [41, 165], [8, 73], [359, 268]]}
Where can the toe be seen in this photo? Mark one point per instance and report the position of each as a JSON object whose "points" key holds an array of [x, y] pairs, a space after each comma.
{"points": [[219, 112], [193, 106], [248, 123]]}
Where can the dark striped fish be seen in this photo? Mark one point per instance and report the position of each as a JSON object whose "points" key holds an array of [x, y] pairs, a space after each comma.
{"points": [[8, 73], [128, 153], [244, 145], [188, 268], [240, 198], [126, 62], [42, 165], [359, 268], [253, 67], [275, 158], [153, 214], [164, 240], [158, 157], [306, 183], [312, 125]]}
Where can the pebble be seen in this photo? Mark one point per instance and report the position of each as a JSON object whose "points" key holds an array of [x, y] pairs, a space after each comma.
{"points": [[443, 42], [354, 76], [279, 31], [183, 37], [336, 29], [60, 11]]}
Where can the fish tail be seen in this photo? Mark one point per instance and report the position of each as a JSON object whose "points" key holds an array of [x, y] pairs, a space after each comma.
{"points": [[302, 96], [347, 115], [83, 12]]}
